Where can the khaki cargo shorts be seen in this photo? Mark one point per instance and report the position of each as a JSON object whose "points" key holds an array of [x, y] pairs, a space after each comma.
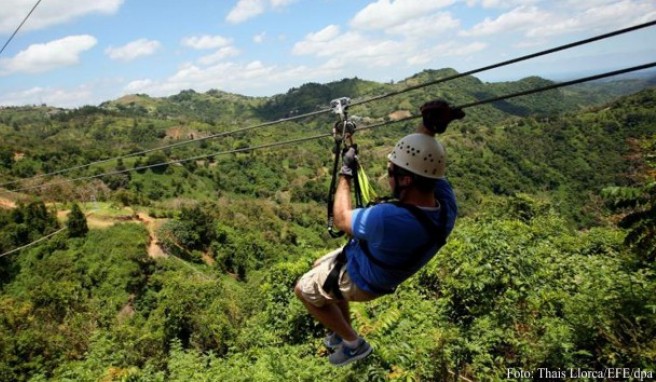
{"points": [[311, 283]]}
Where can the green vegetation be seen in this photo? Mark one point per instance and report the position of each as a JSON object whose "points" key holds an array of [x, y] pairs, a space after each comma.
{"points": [[77, 222], [551, 264]]}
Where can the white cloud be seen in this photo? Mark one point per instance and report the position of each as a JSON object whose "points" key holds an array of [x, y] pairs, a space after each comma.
{"points": [[582, 5], [212, 42], [51, 12], [133, 50], [563, 17], [530, 43], [516, 19], [281, 3], [455, 49], [322, 43], [257, 69], [57, 97], [254, 78], [219, 55], [502, 3], [206, 42], [387, 13], [327, 34], [449, 49], [613, 15], [259, 38], [139, 85], [192, 76], [315, 44], [425, 26], [247, 9], [38, 58], [361, 49]]}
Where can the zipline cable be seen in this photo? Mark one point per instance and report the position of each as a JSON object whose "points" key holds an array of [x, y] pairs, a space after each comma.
{"points": [[362, 102], [374, 126], [542, 89], [39, 239], [508, 62], [179, 161], [19, 27], [32, 243], [222, 134], [562, 84], [304, 139]]}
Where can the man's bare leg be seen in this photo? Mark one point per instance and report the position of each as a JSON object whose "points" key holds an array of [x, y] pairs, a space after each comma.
{"points": [[332, 316]]}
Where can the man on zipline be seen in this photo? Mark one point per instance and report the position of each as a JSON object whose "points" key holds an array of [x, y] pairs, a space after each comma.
{"points": [[389, 241]]}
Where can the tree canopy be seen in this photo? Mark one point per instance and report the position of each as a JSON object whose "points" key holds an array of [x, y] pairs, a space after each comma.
{"points": [[551, 263]]}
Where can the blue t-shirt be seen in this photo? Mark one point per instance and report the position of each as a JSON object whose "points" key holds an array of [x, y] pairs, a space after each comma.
{"points": [[393, 234]]}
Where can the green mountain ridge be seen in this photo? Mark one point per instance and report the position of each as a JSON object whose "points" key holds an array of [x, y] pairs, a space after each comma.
{"points": [[314, 96]]}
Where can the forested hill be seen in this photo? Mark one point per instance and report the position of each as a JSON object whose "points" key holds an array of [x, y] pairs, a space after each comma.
{"points": [[216, 106], [186, 271], [495, 137], [42, 139]]}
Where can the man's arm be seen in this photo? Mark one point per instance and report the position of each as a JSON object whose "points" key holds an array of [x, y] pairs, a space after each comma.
{"points": [[342, 209]]}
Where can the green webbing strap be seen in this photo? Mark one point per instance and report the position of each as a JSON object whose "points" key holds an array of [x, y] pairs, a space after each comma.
{"points": [[368, 193]]}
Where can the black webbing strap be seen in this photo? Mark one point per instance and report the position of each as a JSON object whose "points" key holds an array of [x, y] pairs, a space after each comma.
{"points": [[331, 285], [331, 192], [333, 188]]}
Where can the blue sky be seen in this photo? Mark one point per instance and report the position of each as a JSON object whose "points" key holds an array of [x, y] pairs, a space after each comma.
{"points": [[76, 52]]}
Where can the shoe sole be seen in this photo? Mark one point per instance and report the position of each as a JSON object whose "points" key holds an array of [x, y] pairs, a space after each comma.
{"points": [[355, 358]]}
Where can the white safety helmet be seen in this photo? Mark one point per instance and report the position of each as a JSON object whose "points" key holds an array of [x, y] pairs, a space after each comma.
{"points": [[420, 154]]}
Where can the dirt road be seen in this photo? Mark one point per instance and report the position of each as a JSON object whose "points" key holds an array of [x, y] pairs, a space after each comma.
{"points": [[154, 250], [6, 203]]}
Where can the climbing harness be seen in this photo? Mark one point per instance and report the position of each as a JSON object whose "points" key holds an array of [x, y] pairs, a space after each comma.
{"points": [[331, 284], [437, 235], [343, 131]]}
